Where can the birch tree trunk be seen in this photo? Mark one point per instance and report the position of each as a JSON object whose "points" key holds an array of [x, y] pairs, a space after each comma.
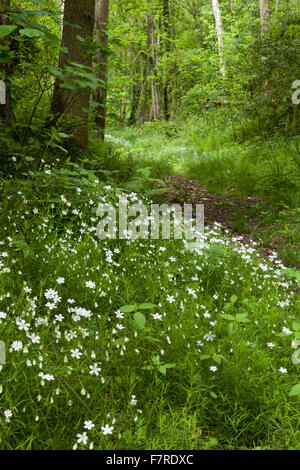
{"points": [[102, 15], [220, 34], [79, 18], [155, 108]]}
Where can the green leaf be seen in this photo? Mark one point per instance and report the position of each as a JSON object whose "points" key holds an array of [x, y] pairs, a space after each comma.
{"points": [[291, 273], [295, 390], [31, 33], [140, 320], [296, 325], [217, 358], [242, 318], [202, 357], [63, 135], [162, 370], [5, 30], [128, 308], [141, 432], [227, 317], [148, 367], [146, 306]]}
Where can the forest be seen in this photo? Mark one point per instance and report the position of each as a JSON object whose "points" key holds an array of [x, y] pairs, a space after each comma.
{"points": [[117, 116]]}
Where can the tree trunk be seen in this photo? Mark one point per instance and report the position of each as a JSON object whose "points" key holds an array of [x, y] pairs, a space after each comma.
{"points": [[144, 102], [79, 17], [220, 33], [155, 108], [102, 15], [265, 13], [167, 43], [135, 89], [6, 108]]}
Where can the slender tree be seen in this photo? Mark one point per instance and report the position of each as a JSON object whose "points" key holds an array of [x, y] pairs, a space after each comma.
{"points": [[265, 13], [102, 15], [6, 108], [78, 25], [167, 43], [220, 33], [155, 112]]}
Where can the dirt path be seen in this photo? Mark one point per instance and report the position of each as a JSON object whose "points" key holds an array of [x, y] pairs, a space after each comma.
{"points": [[224, 209]]}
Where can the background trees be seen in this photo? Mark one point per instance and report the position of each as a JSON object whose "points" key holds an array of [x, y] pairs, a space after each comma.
{"points": [[78, 65]]}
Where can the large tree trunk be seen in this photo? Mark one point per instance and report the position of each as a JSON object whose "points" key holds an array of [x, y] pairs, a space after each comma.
{"points": [[265, 13], [79, 17], [220, 33], [102, 15], [6, 109]]}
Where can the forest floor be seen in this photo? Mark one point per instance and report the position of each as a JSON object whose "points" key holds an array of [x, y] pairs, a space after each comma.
{"points": [[224, 209], [196, 173]]}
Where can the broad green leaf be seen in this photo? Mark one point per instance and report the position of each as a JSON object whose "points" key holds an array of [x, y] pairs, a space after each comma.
{"points": [[146, 306], [5, 30], [140, 320], [295, 390], [242, 318], [128, 308], [227, 317], [141, 432], [217, 358], [31, 33], [162, 369], [296, 325], [202, 357]]}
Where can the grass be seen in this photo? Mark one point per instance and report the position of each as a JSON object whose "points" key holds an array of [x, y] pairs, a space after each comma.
{"points": [[209, 366], [265, 167]]}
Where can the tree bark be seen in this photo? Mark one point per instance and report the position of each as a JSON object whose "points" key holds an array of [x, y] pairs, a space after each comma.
{"points": [[135, 89], [220, 34], [102, 15], [155, 108], [6, 108], [144, 101], [265, 14], [167, 43], [79, 17]]}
